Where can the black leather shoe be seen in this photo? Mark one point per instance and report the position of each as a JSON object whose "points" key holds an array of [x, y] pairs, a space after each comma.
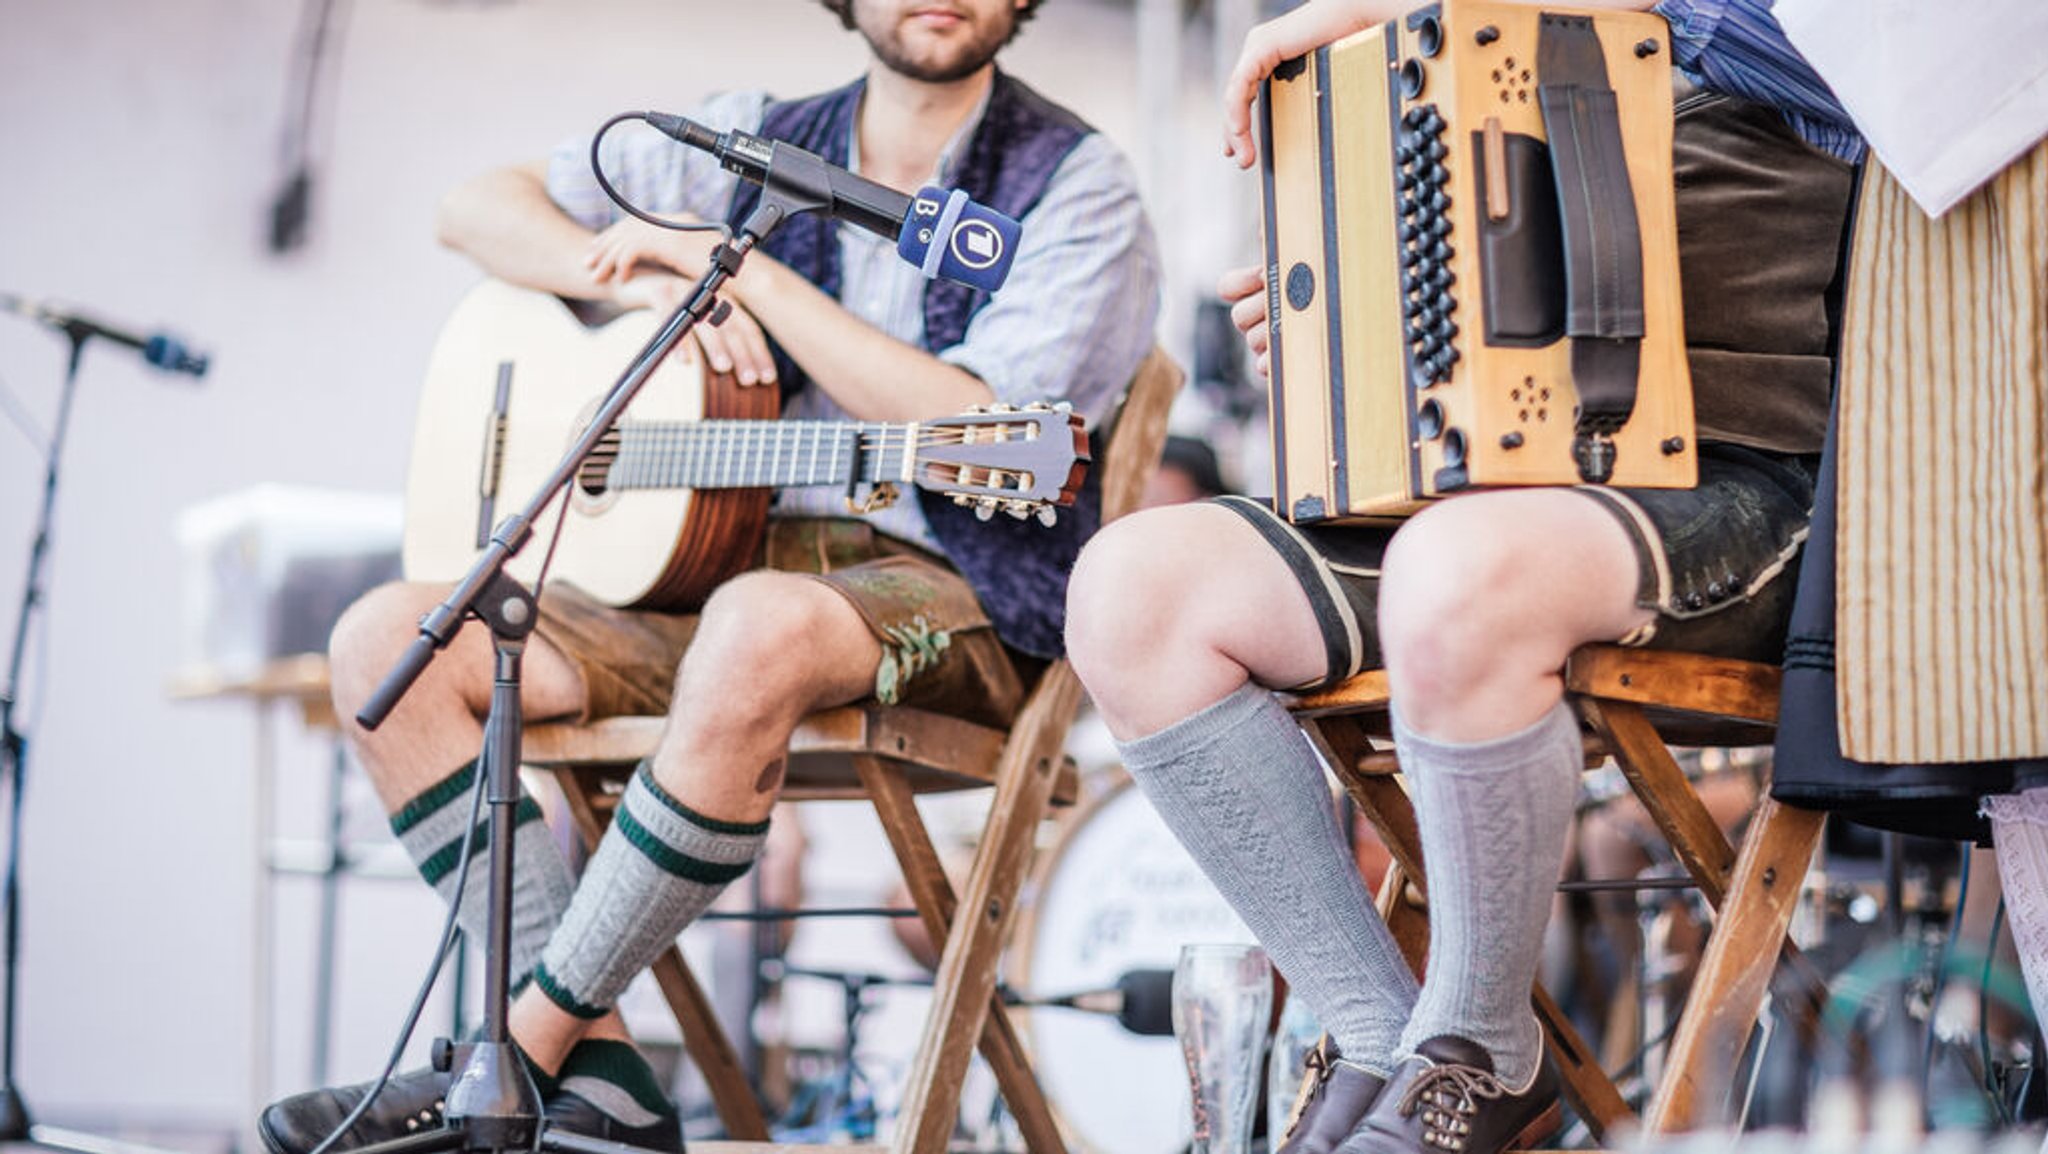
{"points": [[411, 1102], [1446, 1100], [415, 1101], [1335, 1094], [570, 1111]]}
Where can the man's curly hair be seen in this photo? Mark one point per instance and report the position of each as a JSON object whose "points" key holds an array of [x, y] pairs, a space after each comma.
{"points": [[844, 10]]}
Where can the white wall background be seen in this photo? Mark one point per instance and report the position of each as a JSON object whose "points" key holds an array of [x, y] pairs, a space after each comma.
{"points": [[141, 142]]}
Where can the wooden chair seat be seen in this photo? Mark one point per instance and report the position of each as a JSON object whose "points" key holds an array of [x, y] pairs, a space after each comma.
{"points": [[936, 753], [888, 755], [1635, 703]]}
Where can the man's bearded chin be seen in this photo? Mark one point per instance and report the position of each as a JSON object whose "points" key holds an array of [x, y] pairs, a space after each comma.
{"points": [[965, 62]]}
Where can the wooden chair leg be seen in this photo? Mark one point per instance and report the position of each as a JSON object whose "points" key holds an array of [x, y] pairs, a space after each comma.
{"points": [[1664, 792], [1385, 804], [964, 999], [1728, 992], [710, 1049]]}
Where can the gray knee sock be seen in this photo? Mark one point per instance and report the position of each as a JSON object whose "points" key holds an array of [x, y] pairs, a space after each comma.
{"points": [[1493, 816], [659, 865], [1242, 789], [430, 828]]}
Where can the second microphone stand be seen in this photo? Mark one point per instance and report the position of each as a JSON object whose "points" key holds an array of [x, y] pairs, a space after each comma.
{"points": [[492, 1104]]}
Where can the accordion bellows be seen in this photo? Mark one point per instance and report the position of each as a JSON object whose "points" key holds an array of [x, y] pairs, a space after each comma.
{"points": [[1472, 267]]}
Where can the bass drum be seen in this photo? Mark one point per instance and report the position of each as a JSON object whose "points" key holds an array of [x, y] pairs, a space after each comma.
{"points": [[1115, 893]]}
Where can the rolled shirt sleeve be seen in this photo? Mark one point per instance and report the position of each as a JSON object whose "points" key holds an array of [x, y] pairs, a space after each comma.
{"points": [[1078, 311], [1738, 47]]}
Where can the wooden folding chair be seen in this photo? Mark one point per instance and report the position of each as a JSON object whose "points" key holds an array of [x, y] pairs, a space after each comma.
{"points": [[889, 755], [1633, 702]]}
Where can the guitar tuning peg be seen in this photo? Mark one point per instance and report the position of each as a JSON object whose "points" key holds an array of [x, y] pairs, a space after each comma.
{"points": [[1017, 509], [1047, 515], [961, 499], [1002, 407], [1038, 407], [984, 508], [1063, 406], [975, 410]]}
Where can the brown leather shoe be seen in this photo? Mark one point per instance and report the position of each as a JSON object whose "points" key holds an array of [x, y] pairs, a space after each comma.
{"points": [[1447, 1099], [1335, 1094]]}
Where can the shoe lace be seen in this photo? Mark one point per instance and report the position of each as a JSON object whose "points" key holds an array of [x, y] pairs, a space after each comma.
{"points": [[1447, 1095], [1316, 1070]]}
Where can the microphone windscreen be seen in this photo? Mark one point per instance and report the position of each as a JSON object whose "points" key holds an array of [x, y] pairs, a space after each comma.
{"points": [[1148, 1002], [952, 238]]}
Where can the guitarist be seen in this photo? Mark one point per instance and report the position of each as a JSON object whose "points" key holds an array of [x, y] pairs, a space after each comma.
{"points": [[906, 604]]}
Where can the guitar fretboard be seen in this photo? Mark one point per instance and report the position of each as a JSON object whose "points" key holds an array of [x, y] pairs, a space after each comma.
{"points": [[754, 454]]}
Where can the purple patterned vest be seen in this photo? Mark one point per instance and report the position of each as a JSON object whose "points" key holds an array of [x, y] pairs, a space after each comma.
{"points": [[1018, 568]]}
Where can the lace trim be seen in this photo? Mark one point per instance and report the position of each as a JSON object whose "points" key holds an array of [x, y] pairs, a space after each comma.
{"points": [[2029, 808]]}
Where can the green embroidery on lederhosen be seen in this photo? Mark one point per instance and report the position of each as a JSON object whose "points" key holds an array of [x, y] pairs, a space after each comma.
{"points": [[911, 649]]}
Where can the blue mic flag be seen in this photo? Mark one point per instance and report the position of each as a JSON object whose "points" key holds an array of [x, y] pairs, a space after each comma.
{"points": [[952, 238]]}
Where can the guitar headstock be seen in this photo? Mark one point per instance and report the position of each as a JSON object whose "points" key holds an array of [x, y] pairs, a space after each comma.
{"points": [[1024, 461]]}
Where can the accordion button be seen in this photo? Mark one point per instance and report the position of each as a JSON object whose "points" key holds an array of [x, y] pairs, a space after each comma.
{"points": [[1436, 150], [1440, 252], [1449, 306], [1432, 123], [1415, 117], [1435, 175]]}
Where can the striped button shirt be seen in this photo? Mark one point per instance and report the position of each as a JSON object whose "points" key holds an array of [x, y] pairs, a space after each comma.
{"points": [[1737, 47], [1072, 321]]}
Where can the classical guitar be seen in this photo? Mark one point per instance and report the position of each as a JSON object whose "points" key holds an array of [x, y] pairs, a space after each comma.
{"points": [[674, 499]]}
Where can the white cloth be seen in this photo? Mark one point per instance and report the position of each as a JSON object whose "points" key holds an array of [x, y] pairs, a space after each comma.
{"points": [[1947, 94]]}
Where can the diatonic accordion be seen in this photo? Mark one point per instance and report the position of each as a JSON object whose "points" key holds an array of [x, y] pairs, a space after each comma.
{"points": [[1472, 260]]}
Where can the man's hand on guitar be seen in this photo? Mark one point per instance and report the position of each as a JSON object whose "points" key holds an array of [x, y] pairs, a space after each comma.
{"points": [[1244, 290], [651, 268]]}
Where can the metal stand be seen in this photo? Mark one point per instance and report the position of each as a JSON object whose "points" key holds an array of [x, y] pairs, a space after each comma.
{"points": [[15, 1122], [492, 1104]]}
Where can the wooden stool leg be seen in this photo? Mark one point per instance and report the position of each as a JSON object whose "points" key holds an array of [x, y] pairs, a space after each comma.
{"points": [[966, 1008], [1742, 951], [1385, 804]]}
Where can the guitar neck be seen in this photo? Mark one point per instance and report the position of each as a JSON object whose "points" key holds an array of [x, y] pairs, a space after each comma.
{"points": [[760, 454]]}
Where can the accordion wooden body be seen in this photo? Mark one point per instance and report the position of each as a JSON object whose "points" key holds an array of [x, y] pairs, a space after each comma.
{"points": [[1472, 265]]}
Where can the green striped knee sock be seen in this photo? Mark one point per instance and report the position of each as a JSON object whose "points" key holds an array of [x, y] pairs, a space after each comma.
{"points": [[659, 865], [430, 828]]}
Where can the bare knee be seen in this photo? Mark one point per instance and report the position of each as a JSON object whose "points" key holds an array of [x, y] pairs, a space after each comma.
{"points": [[1127, 602], [771, 647], [1449, 615], [370, 636]]}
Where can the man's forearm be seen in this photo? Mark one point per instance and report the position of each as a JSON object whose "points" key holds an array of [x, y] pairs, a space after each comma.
{"points": [[504, 221], [869, 373]]}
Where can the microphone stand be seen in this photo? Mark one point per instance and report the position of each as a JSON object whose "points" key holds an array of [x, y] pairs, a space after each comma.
{"points": [[492, 1104], [15, 1122]]}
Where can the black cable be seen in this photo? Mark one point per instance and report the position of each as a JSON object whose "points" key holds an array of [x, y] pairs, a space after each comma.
{"points": [[441, 950], [291, 206], [627, 206]]}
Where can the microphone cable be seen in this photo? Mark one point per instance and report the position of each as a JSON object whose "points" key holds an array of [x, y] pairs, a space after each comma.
{"points": [[426, 988], [625, 204]]}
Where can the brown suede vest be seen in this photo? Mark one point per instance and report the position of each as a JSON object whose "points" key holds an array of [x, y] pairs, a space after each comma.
{"points": [[1761, 216]]}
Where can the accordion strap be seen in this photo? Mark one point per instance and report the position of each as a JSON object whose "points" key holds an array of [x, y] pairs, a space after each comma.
{"points": [[1603, 245]]}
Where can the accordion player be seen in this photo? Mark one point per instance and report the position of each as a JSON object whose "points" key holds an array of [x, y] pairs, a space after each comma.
{"points": [[1471, 260]]}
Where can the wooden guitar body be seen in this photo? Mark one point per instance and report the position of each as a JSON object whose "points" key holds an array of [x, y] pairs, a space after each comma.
{"points": [[513, 378]]}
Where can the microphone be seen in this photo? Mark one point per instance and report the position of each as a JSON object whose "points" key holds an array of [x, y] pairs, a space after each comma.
{"points": [[941, 231], [1141, 1000], [161, 350]]}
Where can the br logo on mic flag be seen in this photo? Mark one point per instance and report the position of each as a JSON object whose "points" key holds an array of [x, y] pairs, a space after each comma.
{"points": [[947, 235]]}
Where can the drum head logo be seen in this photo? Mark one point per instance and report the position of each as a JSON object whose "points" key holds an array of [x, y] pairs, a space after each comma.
{"points": [[977, 244]]}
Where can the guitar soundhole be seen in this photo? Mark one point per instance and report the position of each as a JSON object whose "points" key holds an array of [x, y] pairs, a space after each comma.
{"points": [[594, 478]]}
